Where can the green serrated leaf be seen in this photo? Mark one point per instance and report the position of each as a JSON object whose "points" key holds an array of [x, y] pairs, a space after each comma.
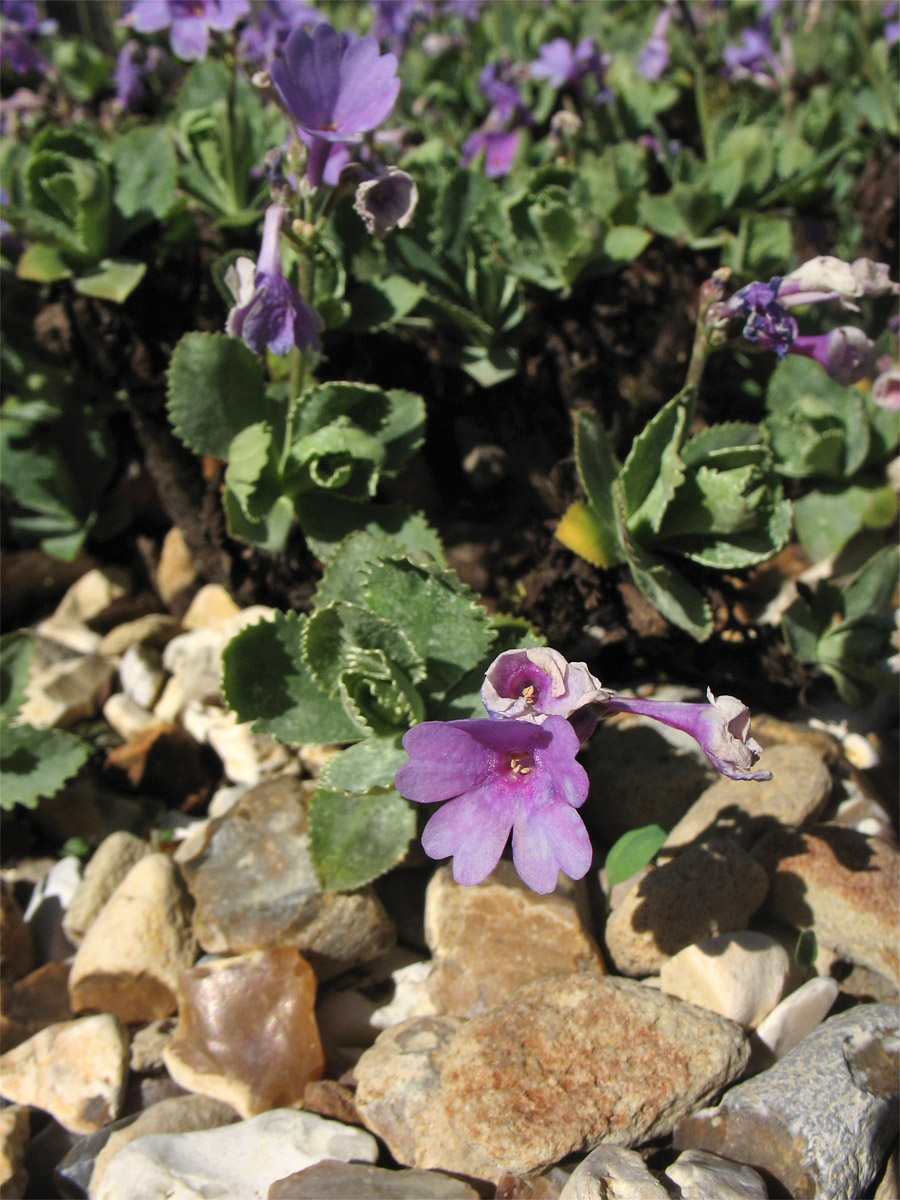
{"points": [[874, 585], [727, 435], [632, 851], [367, 765], [248, 457], [653, 469], [827, 518], [113, 279], [35, 763], [335, 636], [597, 468], [146, 172], [450, 631], [16, 654], [41, 263], [269, 532], [215, 389], [354, 839], [327, 520], [266, 681]]}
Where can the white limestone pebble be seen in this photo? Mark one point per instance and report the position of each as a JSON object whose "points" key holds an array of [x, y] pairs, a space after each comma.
{"points": [[790, 1021], [613, 1173], [240, 1160], [738, 975], [700, 1175]]}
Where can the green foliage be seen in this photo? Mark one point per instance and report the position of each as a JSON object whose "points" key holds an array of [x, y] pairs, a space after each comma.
{"points": [[33, 762], [77, 201], [834, 439], [394, 638], [712, 499], [847, 630], [319, 462], [632, 851]]}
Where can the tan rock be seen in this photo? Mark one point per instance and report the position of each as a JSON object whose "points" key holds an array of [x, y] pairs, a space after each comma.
{"points": [[67, 692], [92, 593], [212, 606], [152, 629], [741, 976], [743, 812], [127, 718], [75, 1071], [129, 960], [331, 1180], [488, 939], [842, 884], [613, 1173], [175, 570], [148, 1043], [179, 1114], [571, 1061], [247, 1031], [108, 866], [15, 1125], [711, 888], [698, 1175], [399, 1097], [16, 939], [32, 1003]]}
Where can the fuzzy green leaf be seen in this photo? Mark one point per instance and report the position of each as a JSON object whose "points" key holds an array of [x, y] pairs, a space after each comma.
{"points": [[827, 518], [36, 762], [633, 851], [336, 635], [344, 575], [267, 681], [114, 279], [215, 390], [16, 654], [356, 838], [872, 588], [653, 468], [369, 764], [596, 470], [146, 172], [448, 628]]}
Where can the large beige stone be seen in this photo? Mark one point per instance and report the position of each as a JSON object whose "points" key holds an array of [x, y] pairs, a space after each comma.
{"points": [[15, 1127], [743, 812], [75, 1070], [108, 866], [488, 939], [842, 884], [130, 958], [711, 888], [741, 976]]}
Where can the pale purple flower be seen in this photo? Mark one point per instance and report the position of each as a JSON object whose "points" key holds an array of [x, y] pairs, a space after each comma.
{"points": [[189, 22], [499, 777], [886, 389], [396, 20], [336, 87], [20, 26], [827, 278], [721, 727], [753, 58], [269, 312], [386, 201], [469, 10], [536, 683], [269, 24], [846, 354], [890, 11], [563, 65], [499, 146], [653, 59], [498, 82]]}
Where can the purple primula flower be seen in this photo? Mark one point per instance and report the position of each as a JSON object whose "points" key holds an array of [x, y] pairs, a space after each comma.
{"points": [[386, 201], [768, 324], [722, 728], [890, 11], [499, 146], [754, 57], [134, 65], [653, 59], [846, 354], [189, 21], [20, 25], [270, 22], [827, 278], [497, 777], [498, 83], [269, 312], [886, 388], [395, 20], [536, 683], [336, 87], [562, 65]]}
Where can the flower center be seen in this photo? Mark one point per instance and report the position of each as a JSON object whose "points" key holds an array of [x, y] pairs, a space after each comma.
{"points": [[528, 693], [521, 764]]}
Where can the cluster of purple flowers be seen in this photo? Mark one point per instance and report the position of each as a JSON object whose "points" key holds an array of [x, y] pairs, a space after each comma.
{"points": [[845, 353], [20, 27], [515, 771]]}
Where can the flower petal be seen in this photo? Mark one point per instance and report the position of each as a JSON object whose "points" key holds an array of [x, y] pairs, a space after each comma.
{"points": [[444, 761], [549, 840], [474, 829]]}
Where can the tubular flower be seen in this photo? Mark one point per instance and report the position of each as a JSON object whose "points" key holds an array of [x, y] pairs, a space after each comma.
{"points": [[499, 777], [846, 354], [653, 60], [531, 685], [335, 86], [768, 324], [386, 201], [269, 311], [721, 727]]}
